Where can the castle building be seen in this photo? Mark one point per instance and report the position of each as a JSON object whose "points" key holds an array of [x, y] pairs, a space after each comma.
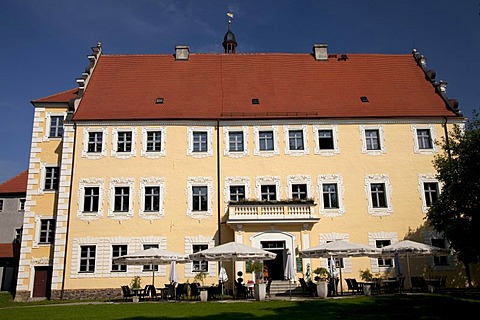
{"points": [[187, 151]]}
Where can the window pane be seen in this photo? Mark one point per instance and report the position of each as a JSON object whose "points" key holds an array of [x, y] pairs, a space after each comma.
{"points": [[372, 139], [200, 142], [237, 193], [431, 193], [235, 141], [265, 139], [268, 192], [52, 178], [424, 139], [87, 259], [299, 191], [295, 139], [124, 143], [200, 199], [154, 141], [95, 141], [199, 265], [56, 126], [150, 267], [118, 251], [325, 139], [378, 195], [330, 196], [47, 230], [122, 198], [91, 199]]}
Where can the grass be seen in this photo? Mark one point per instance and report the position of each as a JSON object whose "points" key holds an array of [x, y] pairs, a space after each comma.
{"points": [[419, 306]]}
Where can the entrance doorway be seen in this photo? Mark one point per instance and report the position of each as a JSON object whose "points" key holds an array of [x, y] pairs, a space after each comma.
{"points": [[275, 266], [42, 282]]}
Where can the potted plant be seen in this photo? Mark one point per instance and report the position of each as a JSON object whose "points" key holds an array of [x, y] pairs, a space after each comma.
{"points": [[367, 278], [200, 277], [259, 288], [322, 277], [135, 285]]}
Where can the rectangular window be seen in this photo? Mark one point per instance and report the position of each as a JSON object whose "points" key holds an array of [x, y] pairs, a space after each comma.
{"points": [[87, 259], [439, 260], [1, 205], [21, 204], [424, 139], [431, 192], [235, 140], [18, 236], [118, 251], [295, 139], [122, 196], [200, 198], [56, 126], [124, 143], [47, 231], [154, 141], [268, 192], [382, 262], [265, 140], [52, 177], [91, 199], [152, 199], [237, 193], [377, 192], [325, 139], [200, 141], [150, 267], [199, 265], [299, 191], [330, 196], [372, 139], [95, 142]]}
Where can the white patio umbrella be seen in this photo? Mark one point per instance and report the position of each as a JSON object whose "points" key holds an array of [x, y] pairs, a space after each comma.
{"points": [[340, 249], [289, 272], [333, 273], [408, 248], [222, 276], [173, 277], [232, 251], [154, 256]]}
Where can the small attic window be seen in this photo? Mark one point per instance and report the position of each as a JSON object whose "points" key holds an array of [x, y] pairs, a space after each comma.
{"points": [[159, 101], [364, 99], [255, 101]]}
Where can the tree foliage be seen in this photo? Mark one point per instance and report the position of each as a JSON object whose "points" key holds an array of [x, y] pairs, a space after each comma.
{"points": [[456, 212]]}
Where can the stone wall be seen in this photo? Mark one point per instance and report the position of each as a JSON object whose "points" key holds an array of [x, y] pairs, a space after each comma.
{"points": [[79, 294]]}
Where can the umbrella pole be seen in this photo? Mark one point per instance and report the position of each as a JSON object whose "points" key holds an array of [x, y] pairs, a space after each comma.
{"points": [[408, 271], [153, 275], [341, 280], [233, 278]]}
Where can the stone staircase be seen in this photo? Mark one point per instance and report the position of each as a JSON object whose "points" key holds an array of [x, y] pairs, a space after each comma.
{"points": [[282, 287]]}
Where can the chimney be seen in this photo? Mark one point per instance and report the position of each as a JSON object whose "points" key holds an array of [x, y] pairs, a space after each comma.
{"points": [[182, 52], [320, 52]]}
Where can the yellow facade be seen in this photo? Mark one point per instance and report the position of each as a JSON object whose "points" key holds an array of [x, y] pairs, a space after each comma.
{"points": [[399, 165]]}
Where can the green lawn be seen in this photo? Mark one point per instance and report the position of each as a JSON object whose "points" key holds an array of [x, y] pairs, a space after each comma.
{"points": [[427, 306]]}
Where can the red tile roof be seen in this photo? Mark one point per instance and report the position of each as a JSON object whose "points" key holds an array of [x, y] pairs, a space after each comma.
{"points": [[211, 86], [9, 250], [64, 97], [17, 184]]}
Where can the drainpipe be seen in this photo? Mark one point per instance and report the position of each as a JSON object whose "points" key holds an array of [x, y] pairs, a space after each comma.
{"points": [[445, 120], [218, 185]]}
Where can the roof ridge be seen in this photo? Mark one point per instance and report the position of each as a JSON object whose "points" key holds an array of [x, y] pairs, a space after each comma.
{"points": [[55, 94]]}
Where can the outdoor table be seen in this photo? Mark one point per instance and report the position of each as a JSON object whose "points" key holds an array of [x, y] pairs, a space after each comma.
{"points": [[389, 284], [162, 292], [432, 284], [367, 287]]}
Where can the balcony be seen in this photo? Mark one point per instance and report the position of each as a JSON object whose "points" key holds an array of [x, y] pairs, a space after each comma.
{"points": [[272, 212]]}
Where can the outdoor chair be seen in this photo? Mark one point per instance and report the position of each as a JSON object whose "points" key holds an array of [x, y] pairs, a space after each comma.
{"points": [[127, 294], [170, 294], [241, 290], [153, 293], [401, 284], [355, 286], [442, 283], [194, 290], [144, 294], [181, 291]]}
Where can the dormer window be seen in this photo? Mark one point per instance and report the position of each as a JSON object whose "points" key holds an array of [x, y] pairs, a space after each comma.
{"points": [[159, 101], [255, 101], [364, 99]]}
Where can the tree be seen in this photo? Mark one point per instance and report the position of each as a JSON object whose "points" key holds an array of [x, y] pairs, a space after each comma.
{"points": [[456, 212]]}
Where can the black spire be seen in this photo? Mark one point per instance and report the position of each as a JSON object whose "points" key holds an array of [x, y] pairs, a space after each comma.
{"points": [[229, 41]]}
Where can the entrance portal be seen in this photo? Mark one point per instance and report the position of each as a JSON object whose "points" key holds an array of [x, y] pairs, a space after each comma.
{"points": [[276, 266], [42, 282]]}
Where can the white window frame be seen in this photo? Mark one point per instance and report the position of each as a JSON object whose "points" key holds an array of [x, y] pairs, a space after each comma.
{"points": [[36, 241], [121, 182], [22, 202], [286, 134], [331, 179], [199, 182], [2, 204], [267, 180], [427, 178], [48, 116], [236, 181], [416, 146], [372, 241], [43, 175], [95, 267], [154, 154], [99, 155], [226, 141], [152, 182], [299, 179], [123, 155], [123, 272], [374, 179], [266, 153], [381, 140], [326, 152], [86, 183], [209, 152], [188, 246]]}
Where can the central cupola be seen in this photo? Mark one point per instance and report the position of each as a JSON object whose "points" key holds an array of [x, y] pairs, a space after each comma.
{"points": [[229, 41]]}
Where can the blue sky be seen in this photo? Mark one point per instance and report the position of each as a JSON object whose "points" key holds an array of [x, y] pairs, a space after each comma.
{"points": [[45, 43]]}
